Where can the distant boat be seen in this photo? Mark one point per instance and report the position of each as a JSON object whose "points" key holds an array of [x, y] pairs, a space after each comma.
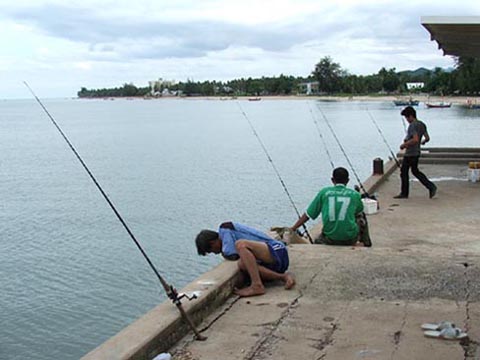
{"points": [[439, 105], [472, 105], [406, 102], [254, 99]]}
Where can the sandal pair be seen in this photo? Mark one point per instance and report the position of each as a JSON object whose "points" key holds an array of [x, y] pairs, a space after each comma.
{"points": [[444, 330]]}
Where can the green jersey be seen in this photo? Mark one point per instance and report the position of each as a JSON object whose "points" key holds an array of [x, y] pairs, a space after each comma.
{"points": [[339, 205]]}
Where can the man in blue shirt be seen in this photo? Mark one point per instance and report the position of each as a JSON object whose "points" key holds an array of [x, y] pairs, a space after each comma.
{"points": [[260, 256]]}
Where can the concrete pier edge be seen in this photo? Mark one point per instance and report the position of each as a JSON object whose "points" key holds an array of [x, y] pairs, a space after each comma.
{"points": [[160, 328]]}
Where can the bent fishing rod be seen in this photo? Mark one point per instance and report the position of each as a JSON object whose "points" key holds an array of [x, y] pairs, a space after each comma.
{"points": [[383, 137], [343, 151], [275, 169], [321, 136], [169, 289]]}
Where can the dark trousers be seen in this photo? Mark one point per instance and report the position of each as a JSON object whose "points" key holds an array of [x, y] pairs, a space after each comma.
{"points": [[411, 162]]}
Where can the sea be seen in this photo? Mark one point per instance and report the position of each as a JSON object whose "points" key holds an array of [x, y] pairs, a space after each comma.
{"points": [[71, 277]]}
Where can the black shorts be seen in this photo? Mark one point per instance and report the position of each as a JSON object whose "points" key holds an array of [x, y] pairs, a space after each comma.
{"points": [[280, 256]]}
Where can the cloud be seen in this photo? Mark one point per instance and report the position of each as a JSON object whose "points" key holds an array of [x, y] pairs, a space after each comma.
{"points": [[83, 65], [108, 42], [140, 38]]}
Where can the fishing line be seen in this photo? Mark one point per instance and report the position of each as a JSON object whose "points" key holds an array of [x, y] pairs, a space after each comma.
{"points": [[343, 151], [275, 169], [383, 137], [169, 289], [321, 135]]}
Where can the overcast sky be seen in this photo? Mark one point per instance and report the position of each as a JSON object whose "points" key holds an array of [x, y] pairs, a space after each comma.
{"points": [[61, 46]]}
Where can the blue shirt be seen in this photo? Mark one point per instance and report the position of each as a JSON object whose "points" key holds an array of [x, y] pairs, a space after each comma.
{"points": [[229, 233]]}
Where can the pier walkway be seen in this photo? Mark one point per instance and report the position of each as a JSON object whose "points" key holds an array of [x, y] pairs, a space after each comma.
{"points": [[349, 302]]}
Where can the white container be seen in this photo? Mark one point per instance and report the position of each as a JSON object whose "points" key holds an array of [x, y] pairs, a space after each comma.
{"points": [[370, 206], [473, 175], [163, 356]]}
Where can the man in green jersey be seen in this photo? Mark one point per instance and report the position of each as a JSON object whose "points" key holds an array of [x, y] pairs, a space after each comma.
{"points": [[344, 222]]}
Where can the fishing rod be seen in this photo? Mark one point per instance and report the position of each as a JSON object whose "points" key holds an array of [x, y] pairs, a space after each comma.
{"points": [[383, 137], [169, 289], [275, 169], [321, 136], [403, 123], [343, 151]]}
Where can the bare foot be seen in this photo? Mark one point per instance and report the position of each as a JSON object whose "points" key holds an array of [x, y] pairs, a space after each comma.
{"points": [[289, 281], [252, 290]]}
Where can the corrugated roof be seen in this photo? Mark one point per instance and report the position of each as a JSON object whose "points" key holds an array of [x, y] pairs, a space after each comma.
{"points": [[455, 35]]}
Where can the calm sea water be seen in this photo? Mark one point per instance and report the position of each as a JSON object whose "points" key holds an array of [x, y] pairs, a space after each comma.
{"points": [[70, 275]]}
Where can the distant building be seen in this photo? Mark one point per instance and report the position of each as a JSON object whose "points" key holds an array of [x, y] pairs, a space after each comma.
{"points": [[414, 85], [157, 87], [308, 88], [166, 92]]}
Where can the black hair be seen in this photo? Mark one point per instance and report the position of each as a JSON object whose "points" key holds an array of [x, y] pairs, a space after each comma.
{"points": [[409, 111], [340, 175], [203, 240]]}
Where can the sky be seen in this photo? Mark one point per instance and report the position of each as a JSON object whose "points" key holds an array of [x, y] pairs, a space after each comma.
{"points": [[60, 46]]}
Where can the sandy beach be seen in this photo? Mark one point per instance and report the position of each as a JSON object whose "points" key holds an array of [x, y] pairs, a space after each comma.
{"points": [[459, 100], [423, 98]]}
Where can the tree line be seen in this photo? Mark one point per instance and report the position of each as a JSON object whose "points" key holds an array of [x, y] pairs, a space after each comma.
{"points": [[328, 78]]}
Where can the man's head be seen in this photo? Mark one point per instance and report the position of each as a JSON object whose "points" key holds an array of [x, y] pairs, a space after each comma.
{"points": [[208, 241], [340, 176], [409, 113]]}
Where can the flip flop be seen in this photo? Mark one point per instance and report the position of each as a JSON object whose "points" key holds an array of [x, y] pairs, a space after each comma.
{"points": [[438, 327], [449, 333]]}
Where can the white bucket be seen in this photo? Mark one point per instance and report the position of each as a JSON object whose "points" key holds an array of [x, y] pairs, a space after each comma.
{"points": [[370, 206], [473, 175]]}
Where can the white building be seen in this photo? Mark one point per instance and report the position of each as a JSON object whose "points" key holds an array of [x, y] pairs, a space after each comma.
{"points": [[414, 85], [309, 87], [157, 86]]}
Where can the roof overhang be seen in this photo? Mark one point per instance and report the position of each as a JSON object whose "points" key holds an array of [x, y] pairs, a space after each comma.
{"points": [[455, 35]]}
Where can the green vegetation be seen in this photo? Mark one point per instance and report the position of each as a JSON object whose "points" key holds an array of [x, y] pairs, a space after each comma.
{"points": [[327, 78]]}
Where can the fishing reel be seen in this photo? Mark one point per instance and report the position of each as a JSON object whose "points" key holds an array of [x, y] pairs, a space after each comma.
{"points": [[365, 195], [176, 297]]}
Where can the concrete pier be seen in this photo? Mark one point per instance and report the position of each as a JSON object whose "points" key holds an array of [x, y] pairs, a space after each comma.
{"points": [[349, 302]]}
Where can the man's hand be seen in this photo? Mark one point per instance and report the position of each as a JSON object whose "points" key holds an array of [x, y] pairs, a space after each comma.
{"points": [[403, 146]]}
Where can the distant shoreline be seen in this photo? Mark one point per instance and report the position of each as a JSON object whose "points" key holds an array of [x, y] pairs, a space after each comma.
{"points": [[461, 100]]}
